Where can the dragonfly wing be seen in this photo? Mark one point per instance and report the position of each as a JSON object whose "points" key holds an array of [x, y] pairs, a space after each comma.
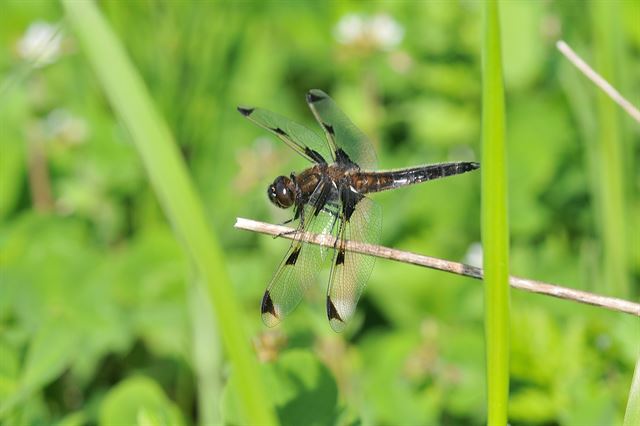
{"points": [[302, 140], [300, 265], [340, 131], [350, 271]]}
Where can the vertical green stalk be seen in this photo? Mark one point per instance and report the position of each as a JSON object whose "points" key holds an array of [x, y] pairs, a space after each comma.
{"points": [[169, 177], [495, 228], [632, 414], [207, 357], [609, 150]]}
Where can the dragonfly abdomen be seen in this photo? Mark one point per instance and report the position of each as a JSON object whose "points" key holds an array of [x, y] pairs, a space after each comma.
{"points": [[365, 182]]}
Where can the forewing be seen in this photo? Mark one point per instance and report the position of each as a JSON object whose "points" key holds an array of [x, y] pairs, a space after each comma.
{"points": [[340, 131], [300, 265], [350, 271], [302, 140]]}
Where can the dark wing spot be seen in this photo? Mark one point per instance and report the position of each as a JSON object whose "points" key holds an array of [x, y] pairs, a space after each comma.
{"points": [[245, 111], [267, 304], [279, 131], [340, 257], [321, 201], [329, 128], [343, 158], [314, 155], [332, 312], [293, 257], [315, 96], [349, 201]]}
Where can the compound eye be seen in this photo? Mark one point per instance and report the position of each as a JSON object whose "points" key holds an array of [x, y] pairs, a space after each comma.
{"points": [[271, 192], [281, 192]]}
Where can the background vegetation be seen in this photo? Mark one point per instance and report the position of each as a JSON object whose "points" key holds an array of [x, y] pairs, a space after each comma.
{"points": [[95, 313]]}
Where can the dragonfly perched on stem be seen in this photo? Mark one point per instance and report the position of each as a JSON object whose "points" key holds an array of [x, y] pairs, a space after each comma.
{"points": [[330, 197]]}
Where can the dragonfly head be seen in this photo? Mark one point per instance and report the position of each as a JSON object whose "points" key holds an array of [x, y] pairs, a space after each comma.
{"points": [[282, 192]]}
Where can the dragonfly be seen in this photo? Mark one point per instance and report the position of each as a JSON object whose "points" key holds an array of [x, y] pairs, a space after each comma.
{"points": [[331, 197]]}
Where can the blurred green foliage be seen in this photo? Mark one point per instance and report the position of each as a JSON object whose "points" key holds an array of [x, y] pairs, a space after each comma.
{"points": [[95, 319]]}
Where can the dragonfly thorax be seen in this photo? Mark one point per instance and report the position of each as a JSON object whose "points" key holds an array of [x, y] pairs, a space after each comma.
{"points": [[282, 192]]}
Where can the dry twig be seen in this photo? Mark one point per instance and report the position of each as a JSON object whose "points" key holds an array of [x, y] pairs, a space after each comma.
{"points": [[598, 80], [532, 286]]}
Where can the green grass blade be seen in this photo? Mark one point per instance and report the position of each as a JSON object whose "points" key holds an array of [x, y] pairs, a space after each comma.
{"points": [[609, 149], [170, 180], [495, 230], [632, 414], [207, 357]]}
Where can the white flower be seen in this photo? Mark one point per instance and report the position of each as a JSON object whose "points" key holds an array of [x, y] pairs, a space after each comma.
{"points": [[41, 43], [350, 28], [380, 31], [386, 31]]}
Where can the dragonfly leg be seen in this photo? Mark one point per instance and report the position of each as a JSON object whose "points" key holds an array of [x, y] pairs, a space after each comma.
{"points": [[287, 221], [291, 231], [281, 234], [299, 214]]}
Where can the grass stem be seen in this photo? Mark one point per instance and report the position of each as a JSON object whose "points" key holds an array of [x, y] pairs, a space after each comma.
{"points": [[495, 226]]}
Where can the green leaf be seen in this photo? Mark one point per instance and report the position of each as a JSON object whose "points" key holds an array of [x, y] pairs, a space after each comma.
{"points": [[399, 389], [301, 387], [312, 391], [78, 418], [9, 370], [138, 401], [441, 122], [12, 160], [524, 52], [51, 351], [532, 405]]}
